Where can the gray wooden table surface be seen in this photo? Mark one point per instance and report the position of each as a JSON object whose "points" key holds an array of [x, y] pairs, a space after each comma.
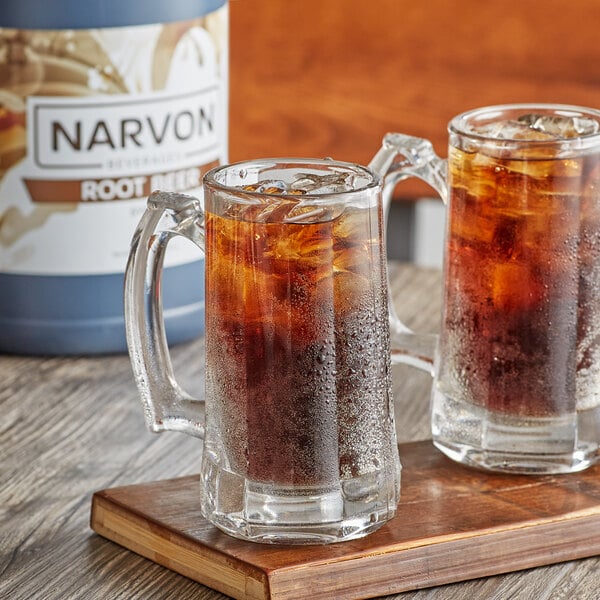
{"points": [[71, 426]]}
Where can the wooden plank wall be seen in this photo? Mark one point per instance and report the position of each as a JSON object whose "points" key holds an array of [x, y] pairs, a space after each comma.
{"points": [[330, 77]]}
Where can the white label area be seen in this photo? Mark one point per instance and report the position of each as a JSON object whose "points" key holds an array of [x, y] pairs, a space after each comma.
{"points": [[88, 134], [108, 116]]}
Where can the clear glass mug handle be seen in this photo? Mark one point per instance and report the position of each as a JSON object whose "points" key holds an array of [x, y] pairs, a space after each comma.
{"points": [[166, 405], [401, 157]]}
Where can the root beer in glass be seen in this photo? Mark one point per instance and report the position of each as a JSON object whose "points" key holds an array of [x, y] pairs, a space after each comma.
{"points": [[299, 436], [520, 348], [517, 371], [296, 332]]}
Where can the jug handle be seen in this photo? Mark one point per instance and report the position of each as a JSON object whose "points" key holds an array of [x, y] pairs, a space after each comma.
{"points": [[401, 157], [166, 405]]}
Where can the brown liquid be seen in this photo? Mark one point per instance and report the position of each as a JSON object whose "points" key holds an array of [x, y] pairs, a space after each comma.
{"points": [[522, 281], [297, 343]]}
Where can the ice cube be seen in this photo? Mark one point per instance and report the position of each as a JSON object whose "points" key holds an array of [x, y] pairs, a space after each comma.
{"points": [[537, 127], [513, 130], [331, 183], [561, 127], [268, 186]]}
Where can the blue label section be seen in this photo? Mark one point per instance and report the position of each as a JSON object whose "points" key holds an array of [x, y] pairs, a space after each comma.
{"points": [[84, 314], [79, 14]]}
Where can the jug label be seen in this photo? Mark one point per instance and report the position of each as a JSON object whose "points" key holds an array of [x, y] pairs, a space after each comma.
{"points": [[92, 121]]}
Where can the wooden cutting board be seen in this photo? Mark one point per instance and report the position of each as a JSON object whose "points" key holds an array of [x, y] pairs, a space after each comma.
{"points": [[453, 524]]}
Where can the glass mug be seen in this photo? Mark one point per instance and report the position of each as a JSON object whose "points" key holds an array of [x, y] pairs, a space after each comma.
{"points": [[517, 368], [298, 424]]}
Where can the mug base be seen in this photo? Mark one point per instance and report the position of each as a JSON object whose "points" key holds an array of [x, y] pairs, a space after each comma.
{"points": [[326, 533], [271, 514], [494, 441], [515, 463]]}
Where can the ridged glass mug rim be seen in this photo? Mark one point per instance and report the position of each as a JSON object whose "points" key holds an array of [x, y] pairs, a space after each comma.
{"points": [[210, 179]]}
